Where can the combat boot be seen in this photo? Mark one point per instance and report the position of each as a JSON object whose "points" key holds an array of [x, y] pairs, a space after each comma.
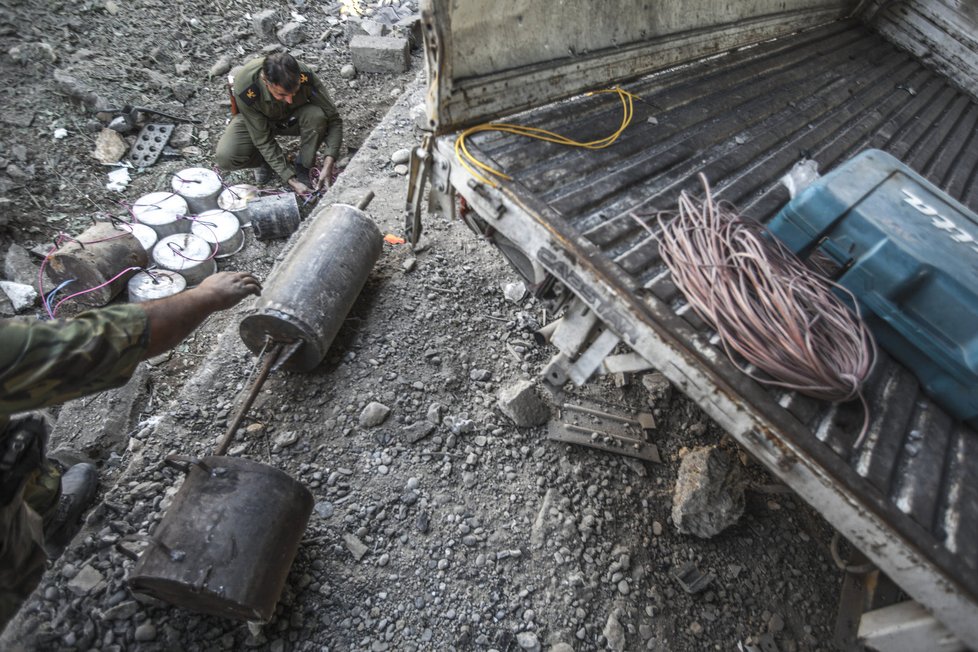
{"points": [[302, 174], [77, 493], [263, 173]]}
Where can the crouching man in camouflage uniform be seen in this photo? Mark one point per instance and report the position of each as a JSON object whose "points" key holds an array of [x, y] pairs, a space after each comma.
{"points": [[277, 95], [43, 363]]}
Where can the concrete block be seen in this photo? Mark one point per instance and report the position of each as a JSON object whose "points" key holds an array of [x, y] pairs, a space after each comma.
{"points": [[380, 53]]}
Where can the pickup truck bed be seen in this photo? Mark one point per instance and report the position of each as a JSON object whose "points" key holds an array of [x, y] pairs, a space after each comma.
{"points": [[909, 497]]}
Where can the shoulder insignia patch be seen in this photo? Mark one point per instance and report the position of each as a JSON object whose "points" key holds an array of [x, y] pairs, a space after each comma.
{"points": [[250, 95], [303, 78]]}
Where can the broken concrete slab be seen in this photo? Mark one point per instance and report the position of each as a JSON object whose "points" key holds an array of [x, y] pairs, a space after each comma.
{"points": [[523, 405], [709, 495], [380, 53]]}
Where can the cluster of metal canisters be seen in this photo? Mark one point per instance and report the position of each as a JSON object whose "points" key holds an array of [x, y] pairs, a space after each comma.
{"points": [[180, 233]]}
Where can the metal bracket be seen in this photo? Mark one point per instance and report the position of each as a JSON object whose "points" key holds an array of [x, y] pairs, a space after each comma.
{"points": [[419, 168], [441, 198], [493, 201]]}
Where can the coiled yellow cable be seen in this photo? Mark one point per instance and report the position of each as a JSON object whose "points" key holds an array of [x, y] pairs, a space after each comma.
{"points": [[470, 162]]}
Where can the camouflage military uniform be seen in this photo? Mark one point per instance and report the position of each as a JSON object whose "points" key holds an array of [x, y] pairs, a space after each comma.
{"points": [[43, 363], [251, 134]]}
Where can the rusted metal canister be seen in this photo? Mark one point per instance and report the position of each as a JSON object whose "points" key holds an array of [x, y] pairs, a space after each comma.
{"points": [[309, 294], [236, 199], [220, 228], [199, 187], [225, 544], [274, 216], [188, 254], [95, 257], [156, 284]]}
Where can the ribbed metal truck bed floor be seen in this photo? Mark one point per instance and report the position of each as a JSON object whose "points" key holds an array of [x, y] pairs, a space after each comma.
{"points": [[743, 119]]}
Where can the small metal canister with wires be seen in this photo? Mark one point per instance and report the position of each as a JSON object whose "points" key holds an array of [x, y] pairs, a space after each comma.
{"points": [[307, 297]]}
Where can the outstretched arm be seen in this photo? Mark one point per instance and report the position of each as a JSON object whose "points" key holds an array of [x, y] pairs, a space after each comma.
{"points": [[174, 318]]}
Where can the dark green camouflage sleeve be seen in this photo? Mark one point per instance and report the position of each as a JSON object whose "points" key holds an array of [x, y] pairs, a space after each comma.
{"points": [[43, 363]]}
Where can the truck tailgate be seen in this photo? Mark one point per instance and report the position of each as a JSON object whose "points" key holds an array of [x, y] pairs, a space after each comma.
{"points": [[909, 497]]}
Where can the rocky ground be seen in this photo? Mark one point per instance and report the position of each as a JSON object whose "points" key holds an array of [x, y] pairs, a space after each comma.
{"points": [[438, 523]]}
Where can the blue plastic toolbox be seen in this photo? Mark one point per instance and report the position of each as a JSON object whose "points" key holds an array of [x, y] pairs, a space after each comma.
{"points": [[909, 253]]}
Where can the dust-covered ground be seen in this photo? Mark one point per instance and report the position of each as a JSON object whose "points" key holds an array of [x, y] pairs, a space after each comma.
{"points": [[444, 526]]}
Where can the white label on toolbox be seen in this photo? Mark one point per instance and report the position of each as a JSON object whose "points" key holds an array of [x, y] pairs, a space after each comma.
{"points": [[940, 221]]}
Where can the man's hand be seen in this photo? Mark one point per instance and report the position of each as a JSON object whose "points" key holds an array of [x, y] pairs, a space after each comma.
{"points": [[325, 179], [173, 318], [298, 187], [228, 288]]}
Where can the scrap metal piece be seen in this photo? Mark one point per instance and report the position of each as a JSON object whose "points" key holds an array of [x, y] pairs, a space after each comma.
{"points": [[692, 580], [149, 144], [587, 425]]}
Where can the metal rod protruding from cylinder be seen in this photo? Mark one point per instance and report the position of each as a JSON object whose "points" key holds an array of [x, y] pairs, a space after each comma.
{"points": [[270, 357], [366, 200]]}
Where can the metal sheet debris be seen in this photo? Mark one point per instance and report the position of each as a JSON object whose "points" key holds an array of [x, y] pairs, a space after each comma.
{"points": [[623, 431], [149, 144]]}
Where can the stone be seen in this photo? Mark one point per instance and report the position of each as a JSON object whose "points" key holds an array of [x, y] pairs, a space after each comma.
{"points": [[480, 375], [109, 147], [614, 632], [374, 414], [374, 27], [709, 494], [348, 71], [220, 67], [561, 647], [86, 581], [18, 267], [418, 431], [182, 136], [286, 439], [146, 632], [264, 24], [435, 412], [401, 156], [410, 28], [291, 34], [31, 53], [522, 404], [21, 296], [356, 547], [514, 292], [402, 170], [419, 115], [380, 53], [324, 508], [528, 641], [658, 387], [78, 90]]}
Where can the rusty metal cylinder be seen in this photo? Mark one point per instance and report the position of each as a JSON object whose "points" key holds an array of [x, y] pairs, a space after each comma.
{"points": [[309, 294], [227, 541], [92, 260]]}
